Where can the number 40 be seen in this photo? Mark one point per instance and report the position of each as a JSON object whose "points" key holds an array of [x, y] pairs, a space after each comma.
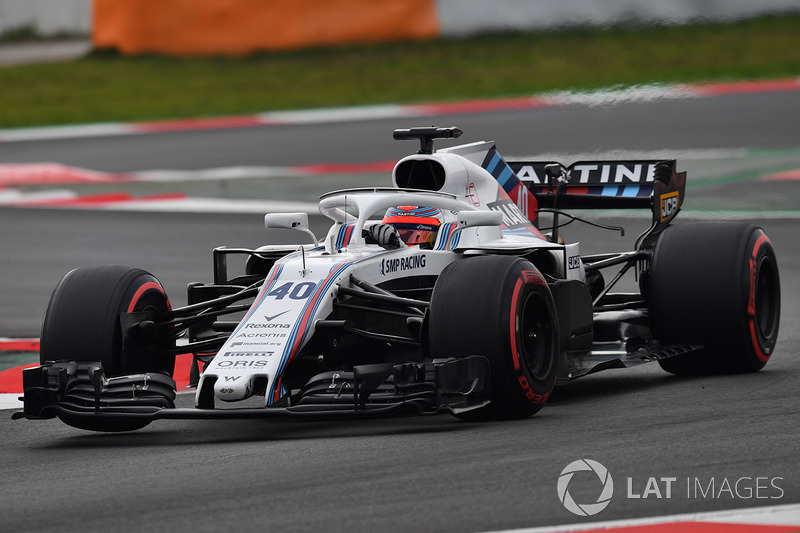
{"points": [[299, 291]]}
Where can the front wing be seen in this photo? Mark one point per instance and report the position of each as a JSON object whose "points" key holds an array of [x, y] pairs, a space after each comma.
{"points": [[81, 390]]}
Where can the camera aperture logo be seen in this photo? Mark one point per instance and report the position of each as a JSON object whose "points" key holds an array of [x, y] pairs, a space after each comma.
{"points": [[585, 509]]}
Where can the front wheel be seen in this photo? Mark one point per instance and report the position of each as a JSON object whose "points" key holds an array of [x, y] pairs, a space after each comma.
{"points": [[501, 308], [82, 323]]}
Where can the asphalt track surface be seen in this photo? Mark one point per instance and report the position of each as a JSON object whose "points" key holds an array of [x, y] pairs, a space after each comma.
{"points": [[409, 474]]}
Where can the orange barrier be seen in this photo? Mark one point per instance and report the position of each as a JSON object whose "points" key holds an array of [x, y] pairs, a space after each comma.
{"points": [[235, 27]]}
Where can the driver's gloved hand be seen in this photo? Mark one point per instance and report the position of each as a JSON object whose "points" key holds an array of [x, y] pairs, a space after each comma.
{"points": [[383, 234]]}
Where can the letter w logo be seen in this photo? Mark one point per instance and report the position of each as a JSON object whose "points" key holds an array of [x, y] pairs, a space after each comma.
{"points": [[232, 378]]}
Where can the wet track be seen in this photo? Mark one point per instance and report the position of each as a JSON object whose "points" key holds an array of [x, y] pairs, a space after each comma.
{"points": [[410, 474]]}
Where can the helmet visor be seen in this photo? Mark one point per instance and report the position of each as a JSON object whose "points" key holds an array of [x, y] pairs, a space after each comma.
{"points": [[412, 234]]}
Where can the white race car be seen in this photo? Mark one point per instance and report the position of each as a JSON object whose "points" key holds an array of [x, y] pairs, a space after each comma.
{"points": [[437, 295]]}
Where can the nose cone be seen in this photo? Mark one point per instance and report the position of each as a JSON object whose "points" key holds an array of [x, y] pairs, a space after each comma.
{"points": [[234, 388]]}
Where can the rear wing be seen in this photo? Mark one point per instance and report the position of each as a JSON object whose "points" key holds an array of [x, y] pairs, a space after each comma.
{"points": [[641, 184]]}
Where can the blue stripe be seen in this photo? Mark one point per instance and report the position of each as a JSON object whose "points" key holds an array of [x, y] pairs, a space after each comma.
{"points": [[265, 290], [288, 347], [610, 190], [444, 235], [493, 163], [630, 191], [339, 237], [504, 176], [516, 230], [334, 273]]}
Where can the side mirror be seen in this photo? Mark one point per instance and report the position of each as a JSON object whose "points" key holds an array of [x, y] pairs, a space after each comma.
{"points": [[286, 221], [471, 219], [295, 221]]}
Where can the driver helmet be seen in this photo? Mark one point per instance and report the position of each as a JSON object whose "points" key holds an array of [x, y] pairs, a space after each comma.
{"points": [[416, 225]]}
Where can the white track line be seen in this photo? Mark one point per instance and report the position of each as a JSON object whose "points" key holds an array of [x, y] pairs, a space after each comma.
{"points": [[209, 205], [215, 174], [10, 400], [787, 515]]}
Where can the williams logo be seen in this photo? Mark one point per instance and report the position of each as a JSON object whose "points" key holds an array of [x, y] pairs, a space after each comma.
{"points": [[389, 266], [273, 317]]}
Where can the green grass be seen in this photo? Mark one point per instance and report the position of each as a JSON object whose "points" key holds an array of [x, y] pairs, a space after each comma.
{"points": [[107, 87]]}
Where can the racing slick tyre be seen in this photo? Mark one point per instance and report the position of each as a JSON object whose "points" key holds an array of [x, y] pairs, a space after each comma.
{"points": [[82, 323], [715, 284], [499, 307]]}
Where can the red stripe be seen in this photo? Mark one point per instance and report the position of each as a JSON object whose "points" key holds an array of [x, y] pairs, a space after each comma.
{"points": [[751, 302], [99, 199], [183, 365], [570, 190], [241, 121], [20, 345], [503, 195], [745, 87], [150, 285], [91, 199], [477, 106], [346, 168], [53, 173], [156, 197], [348, 234], [513, 321], [304, 321], [698, 527], [759, 352], [11, 379], [791, 175], [265, 289]]}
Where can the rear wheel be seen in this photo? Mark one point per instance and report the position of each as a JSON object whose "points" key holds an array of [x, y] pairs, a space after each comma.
{"points": [[715, 284], [501, 308]]}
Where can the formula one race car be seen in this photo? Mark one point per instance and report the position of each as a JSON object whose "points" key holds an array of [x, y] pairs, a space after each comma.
{"points": [[439, 294]]}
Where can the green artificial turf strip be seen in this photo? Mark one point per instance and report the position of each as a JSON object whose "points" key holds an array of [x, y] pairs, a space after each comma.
{"points": [[109, 87]]}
